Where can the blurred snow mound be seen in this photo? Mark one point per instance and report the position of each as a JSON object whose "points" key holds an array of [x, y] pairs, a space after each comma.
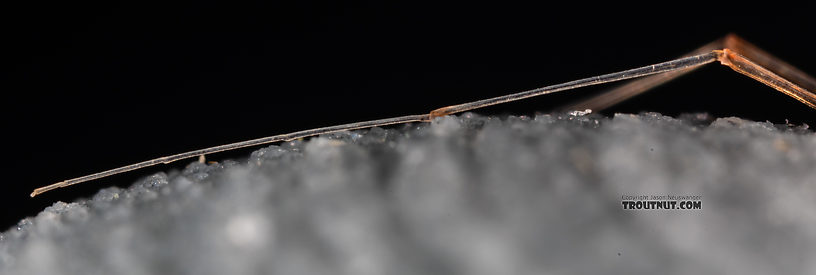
{"points": [[461, 195]]}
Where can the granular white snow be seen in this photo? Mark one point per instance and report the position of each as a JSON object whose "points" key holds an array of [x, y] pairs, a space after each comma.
{"points": [[461, 195]]}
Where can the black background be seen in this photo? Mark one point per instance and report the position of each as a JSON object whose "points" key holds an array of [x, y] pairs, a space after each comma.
{"points": [[93, 86]]}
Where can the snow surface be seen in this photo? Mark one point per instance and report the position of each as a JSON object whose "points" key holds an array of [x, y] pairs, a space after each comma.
{"points": [[462, 195]]}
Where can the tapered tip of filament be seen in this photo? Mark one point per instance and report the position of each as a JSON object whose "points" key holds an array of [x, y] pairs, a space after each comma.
{"points": [[46, 188]]}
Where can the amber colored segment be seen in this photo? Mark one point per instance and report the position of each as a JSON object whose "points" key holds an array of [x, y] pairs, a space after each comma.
{"points": [[440, 112], [769, 62], [744, 66]]}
